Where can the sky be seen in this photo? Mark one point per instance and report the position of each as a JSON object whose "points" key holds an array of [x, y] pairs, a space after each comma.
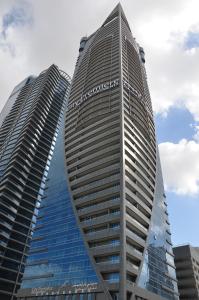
{"points": [[36, 33]]}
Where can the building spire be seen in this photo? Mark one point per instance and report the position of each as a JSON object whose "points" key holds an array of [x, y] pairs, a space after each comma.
{"points": [[116, 12]]}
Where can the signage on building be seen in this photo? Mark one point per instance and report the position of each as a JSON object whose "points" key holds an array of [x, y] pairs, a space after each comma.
{"points": [[96, 90], [104, 87], [65, 289]]}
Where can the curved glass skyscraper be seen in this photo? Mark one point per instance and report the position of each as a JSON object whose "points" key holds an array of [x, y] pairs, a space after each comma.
{"points": [[112, 208], [57, 256]]}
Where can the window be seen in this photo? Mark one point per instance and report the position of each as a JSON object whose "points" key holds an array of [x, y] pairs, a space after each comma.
{"points": [[114, 225], [112, 277]]}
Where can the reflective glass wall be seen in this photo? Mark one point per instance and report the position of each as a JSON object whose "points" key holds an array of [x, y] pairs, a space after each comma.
{"points": [[158, 270], [57, 255]]}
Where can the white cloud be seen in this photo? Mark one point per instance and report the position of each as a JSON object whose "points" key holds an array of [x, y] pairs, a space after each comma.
{"points": [[53, 38], [160, 26], [180, 164]]}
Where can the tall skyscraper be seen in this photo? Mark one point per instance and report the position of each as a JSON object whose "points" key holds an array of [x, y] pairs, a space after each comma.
{"points": [[113, 166], [110, 238], [29, 124]]}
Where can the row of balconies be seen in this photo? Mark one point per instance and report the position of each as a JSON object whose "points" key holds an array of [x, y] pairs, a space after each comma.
{"points": [[138, 135]]}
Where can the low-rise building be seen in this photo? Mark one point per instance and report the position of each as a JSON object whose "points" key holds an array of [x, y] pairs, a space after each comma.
{"points": [[187, 270]]}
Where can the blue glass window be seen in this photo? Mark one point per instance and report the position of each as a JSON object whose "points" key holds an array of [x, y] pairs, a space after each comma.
{"points": [[62, 258]]}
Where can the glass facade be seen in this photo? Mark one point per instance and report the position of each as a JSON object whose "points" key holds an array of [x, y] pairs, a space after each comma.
{"points": [[158, 270], [58, 255]]}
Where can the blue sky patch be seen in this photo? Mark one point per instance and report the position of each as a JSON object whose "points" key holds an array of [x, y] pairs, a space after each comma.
{"points": [[191, 40], [183, 216], [175, 126]]}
